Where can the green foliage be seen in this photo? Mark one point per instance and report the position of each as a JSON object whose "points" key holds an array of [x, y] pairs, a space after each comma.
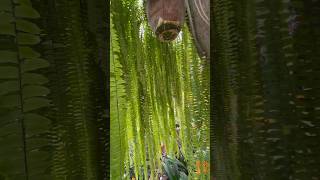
{"points": [[23, 94], [264, 89], [117, 111], [52, 90], [165, 84]]}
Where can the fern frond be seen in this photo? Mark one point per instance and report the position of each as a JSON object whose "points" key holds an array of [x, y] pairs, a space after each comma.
{"points": [[117, 101], [24, 130]]}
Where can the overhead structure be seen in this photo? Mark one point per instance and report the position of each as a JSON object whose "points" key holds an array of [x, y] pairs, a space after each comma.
{"points": [[166, 17]]}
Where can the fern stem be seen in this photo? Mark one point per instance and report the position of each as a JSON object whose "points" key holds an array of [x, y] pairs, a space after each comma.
{"points": [[21, 118]]}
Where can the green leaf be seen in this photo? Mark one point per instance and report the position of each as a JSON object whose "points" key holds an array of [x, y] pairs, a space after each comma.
{"points": [[9, 129], [8, 57], [27, 52], [34, 91], [169, 171], [9, 87], [36, 124], [38, 142], [9, 116], [6, 25], [6, 18], [7, 29], [27, 26], [25, 11], [38, 161], [33, 79], [183, 176], [10, 101], [27, 39], [10, 154], [35, 103], [14, 137], [34, 64], [8, 72], [39, 155], [5, 5]]}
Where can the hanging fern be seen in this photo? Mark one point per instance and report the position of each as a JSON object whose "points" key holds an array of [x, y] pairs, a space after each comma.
{"points": [[23, 93], [160, 89], [71, 92], [261, 61], [117, 111]]}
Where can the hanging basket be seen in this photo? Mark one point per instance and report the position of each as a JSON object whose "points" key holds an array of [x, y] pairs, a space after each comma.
{"points": [[166, 17], [167, 30]]}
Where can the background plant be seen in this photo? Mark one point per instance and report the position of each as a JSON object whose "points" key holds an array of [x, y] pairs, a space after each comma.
{"points": [[265, 105], [53, 117]]}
